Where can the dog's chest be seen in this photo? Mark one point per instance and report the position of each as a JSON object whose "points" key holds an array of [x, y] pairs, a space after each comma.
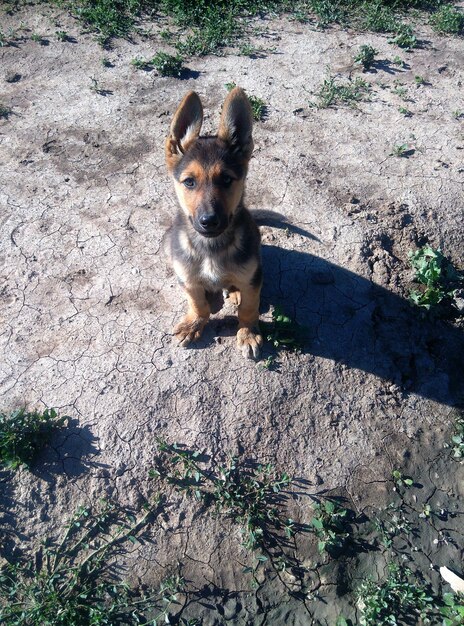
{"points": [[212, 273]]}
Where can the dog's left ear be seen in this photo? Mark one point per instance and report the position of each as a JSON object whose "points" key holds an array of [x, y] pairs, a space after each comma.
{"points": [[236, 123]]}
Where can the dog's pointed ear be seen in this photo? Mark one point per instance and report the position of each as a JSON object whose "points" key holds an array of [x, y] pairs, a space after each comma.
{"points": [[236, 123], [185, 128]]}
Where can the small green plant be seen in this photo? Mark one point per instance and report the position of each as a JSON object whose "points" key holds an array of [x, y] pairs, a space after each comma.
{"points": [[420, 80], [378, 17], [400, 480], [106, 62], [404, 111], [166, 35], [258, 106], [439, 278], [333, 92], [366, 56], [457, 439], [452, 609], [404, 37], [167, 64], [401, 598], [5, 111], [400, 90], [140, 63], [248, 495], [330, 526], [213, 29], [402, 150], [283, 332], [97, 88], [71, 580], [458, 114], [392, 523], [61, 35], [448, 20], [24, 433], [37, 38], [397, 60], [253, 496]]}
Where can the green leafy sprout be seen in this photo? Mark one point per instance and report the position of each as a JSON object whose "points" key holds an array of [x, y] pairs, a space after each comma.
{"points": [[334, 91], [366, 56], [330, 526], [72, 582], [401, 598], [448, 20], [253, 496], [439, 279], [24, 433], [400, 480]]}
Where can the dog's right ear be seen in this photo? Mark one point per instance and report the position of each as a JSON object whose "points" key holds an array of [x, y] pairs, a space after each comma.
{"points": [[185, 128]]}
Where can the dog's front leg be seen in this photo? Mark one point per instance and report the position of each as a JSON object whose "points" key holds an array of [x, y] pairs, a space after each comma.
{"points": [[191, 327], [249, 339]]}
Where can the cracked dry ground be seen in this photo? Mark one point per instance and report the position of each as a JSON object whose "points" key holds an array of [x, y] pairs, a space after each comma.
{"points": [[88, 301]]}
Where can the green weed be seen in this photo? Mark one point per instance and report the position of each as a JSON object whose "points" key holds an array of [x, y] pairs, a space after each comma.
{"points": [[401, 598], [457, 439], [140, 63], [402, 150], [400, 480], [378, 17], [330, 526], [333, 92], [448, 20], [397, 60], [24, 433], [404, 37], [61, 35], [366, 56], [452, 610], [283, 332], [400, 90], [420, 80], [404, 111], [392, 524], [439, 278], [5, 111], [71, 580], [253, 496], [37, 38], [248, 495], [167, 64]]}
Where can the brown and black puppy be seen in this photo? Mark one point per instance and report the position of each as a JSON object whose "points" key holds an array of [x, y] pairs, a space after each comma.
{"points": [[214, 242]]}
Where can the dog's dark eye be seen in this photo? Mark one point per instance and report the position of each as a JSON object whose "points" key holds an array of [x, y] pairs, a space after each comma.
{"points": [[189, 183], [226, 180]]}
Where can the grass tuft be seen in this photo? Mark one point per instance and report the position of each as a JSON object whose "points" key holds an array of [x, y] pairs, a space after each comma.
{"points": [[72, 582], [333, 92], [23, 434]]}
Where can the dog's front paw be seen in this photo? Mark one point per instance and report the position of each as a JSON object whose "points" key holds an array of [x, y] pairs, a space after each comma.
{"points": [[189, 329], [249, 342]]}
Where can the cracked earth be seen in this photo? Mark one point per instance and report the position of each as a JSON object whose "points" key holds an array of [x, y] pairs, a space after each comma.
{"points": [[88, 300]]}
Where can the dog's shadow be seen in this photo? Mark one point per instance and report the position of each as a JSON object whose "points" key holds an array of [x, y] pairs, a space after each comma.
{"points": [[350, 320]]}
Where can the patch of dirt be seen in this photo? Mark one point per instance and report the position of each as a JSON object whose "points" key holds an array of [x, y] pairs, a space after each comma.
{"points": [[88, 303]]}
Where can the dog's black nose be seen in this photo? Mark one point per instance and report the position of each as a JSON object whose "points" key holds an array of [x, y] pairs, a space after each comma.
{"points": [[209, 221]]}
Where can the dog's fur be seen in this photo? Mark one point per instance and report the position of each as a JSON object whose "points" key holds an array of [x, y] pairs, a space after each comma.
{"points": [[214, 242]]}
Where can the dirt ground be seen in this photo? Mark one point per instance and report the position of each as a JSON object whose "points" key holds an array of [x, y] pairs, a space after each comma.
{"points": [[88, 300]]}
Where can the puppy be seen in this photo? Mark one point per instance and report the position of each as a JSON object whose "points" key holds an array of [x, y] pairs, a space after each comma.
{"points": [[214, 242]]}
